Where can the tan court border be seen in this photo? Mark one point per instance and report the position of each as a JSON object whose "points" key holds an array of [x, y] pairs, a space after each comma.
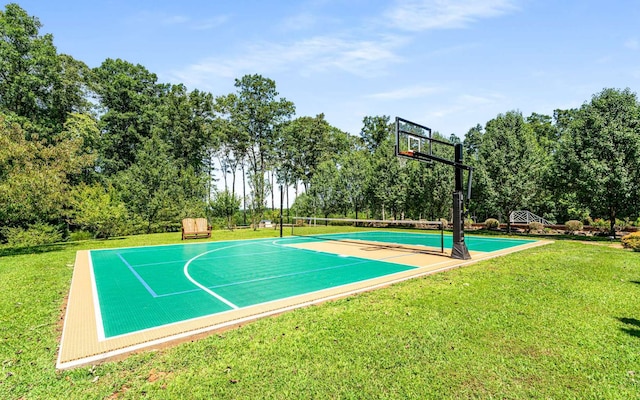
{"points": [[80, 345]]}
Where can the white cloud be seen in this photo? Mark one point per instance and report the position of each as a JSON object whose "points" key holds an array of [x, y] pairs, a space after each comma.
{"points": [[632, 44], [364, 58], [209, 23], [299, 22], [148, 18], [411, 92], [420, 15], [174, 20], [465, 104], [471, 100]]}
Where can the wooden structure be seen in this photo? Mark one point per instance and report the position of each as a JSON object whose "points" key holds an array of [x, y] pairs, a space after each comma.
{"points": [[194, 228]]}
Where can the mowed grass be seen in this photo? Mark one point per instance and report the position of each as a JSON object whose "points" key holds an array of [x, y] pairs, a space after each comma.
{"points": [[557, 321]]}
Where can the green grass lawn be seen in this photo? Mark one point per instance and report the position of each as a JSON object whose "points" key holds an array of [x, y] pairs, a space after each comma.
{"points": [[557, 321]]}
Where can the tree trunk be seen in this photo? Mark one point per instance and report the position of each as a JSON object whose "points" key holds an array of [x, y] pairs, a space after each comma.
{"points": [[244, 196], [612, 221], [223, 168], [273, 202], [288, 208]]}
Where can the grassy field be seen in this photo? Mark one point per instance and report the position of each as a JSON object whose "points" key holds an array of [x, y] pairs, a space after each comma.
{"points": [[557, 321]]}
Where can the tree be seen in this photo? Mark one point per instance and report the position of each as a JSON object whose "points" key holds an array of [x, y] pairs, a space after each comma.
{"points": [[157, 190], [35, 175], [224, 205], [307, 142], [471, 143], [375, 131], [37, 84], [327, 189], [354, 173], [99, 210], [479, 204], [545, 132], [129, 97], [429, 186], [512, 163], [387, 185], [256, 111], [232, 141], [185, 124], [83, 128], [599, 154]]}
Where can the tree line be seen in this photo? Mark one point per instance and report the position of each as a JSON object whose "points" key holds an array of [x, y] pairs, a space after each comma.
{"points": [[111, 150]]}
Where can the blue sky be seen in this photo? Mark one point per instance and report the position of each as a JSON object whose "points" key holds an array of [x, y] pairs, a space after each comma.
{"points": [[447, 64]]}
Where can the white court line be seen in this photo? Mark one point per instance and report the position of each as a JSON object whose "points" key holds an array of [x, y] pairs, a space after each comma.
{"points": [[96, 301], [201, 286]]}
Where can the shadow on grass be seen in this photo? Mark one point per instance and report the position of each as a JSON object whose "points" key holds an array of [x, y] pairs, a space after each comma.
{"points": [[7, 251], [557, 236], [22, 250], [633, 328]]}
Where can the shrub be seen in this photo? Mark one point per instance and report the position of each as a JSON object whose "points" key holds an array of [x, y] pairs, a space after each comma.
{"points": [[573, 226], [98, 210], [621, 225], [601, 225], [80, 235], [468, 223], [445, 222], [638, 222], [34, 235], [536, 227], [492, 223], [631, 241]]}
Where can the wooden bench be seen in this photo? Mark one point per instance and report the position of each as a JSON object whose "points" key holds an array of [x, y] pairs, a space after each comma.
{"points": [[194, 228]]}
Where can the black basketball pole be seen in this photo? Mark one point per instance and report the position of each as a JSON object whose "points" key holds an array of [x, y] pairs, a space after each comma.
{"points": [[459, 250]]}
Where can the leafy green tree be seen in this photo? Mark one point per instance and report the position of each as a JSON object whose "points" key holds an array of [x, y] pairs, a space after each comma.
{"points": [[387, 184], [599, 154], [257, 111], [546, 133], [186, 125], [99, 210], [429, 186], [375, 131], [327, 189], [232, 141], [480, 207], [36, 83], [129, 100], [224, 205], [471, 143], [156, 190], [35, 175], [354, 172], [307, 142], [84, 128], [512, 163]]}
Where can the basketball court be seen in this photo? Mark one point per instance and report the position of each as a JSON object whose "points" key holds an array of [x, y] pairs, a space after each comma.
{"points": [[128, 299]]}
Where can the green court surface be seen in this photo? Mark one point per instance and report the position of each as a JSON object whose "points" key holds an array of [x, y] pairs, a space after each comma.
{"points": [[147, 287]]}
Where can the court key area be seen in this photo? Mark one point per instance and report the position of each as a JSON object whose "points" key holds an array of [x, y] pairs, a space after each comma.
{"points": [[128, 299]]}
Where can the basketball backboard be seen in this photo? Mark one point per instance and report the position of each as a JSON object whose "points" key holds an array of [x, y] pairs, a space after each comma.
{"points": [[413, 140]]}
